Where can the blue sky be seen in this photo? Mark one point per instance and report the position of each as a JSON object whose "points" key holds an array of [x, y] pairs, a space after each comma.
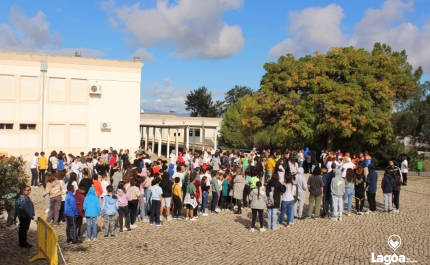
{"points": [[214, 43]]}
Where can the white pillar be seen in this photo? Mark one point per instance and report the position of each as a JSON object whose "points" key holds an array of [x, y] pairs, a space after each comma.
{"points": [[160, 130], [168, 144], [187, 134], [153, 140], [176, 140], [184, 130], [202, 135], [215, 138], [194, 139], [146, 137]]}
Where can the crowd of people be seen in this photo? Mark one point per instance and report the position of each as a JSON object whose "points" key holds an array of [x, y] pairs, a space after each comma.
{"points": [[107, 183]]}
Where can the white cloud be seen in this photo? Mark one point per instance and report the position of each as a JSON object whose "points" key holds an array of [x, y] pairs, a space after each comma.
{"points": [[32, 34], [314, 28], [191, 28], [144, 55], [319, 28], [164, 97]]}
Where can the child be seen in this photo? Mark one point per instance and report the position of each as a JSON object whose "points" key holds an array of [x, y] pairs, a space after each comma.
{"points": [[79, 197], [123, 210], [197, 184], [258, 204], [215, 189], [387, 185], [156, 197], [97, 185], [247, 188], [92, 211], [191, 190], [71, 212], [177, 198], [359, 189], [205, 194], [104, 183], [254, 181], [225, 191], [337, 192], [110, 207]]}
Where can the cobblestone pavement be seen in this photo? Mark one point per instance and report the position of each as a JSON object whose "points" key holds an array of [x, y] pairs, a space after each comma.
{"points": [[225, 239]]}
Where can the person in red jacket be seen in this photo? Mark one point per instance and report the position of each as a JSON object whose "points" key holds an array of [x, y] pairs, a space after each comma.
{"points": [[181, 158], [80, 196]]}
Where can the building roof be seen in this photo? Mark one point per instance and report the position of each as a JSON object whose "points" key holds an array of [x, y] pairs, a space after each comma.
{"points": [[71, 60]]}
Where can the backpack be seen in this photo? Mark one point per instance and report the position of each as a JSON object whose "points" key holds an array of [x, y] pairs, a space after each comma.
{"points": [[269, 201]]}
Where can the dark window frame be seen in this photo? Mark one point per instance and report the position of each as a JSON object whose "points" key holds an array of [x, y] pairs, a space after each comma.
{"points": [[27, 126], [6, 126]]}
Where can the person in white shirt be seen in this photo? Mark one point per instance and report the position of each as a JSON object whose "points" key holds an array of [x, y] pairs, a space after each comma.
{"points": [[301, 158], [54, 163], [347, 164], [173, 157], [76, 167], [328, 165], [34, 172], [404, 167], [187, 159], [149, 150]]}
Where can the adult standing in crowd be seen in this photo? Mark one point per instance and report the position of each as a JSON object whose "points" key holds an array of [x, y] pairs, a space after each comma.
{"points": [[43, 165], [315, 187], [238, 186], [405, 169], [24, 210], [273, 193], [33, 167], [54, 163], [372, 180], [301, 193]]}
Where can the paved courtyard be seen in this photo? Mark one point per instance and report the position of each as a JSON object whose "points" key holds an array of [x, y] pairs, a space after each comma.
{"points": [[225, 239]]}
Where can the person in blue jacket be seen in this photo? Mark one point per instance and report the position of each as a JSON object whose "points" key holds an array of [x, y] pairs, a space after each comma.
{"points": [[71, 212], [110, 208], [24, 210], [91, 211], [372, 180], [171, 170]]}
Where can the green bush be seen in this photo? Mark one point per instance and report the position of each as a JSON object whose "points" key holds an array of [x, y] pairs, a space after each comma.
{"points": [[12, 178]]}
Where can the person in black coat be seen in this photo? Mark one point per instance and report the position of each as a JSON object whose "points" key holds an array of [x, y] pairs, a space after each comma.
{"points": [[274, 189]]}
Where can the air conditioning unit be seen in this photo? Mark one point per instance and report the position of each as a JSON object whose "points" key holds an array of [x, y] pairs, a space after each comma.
{"points": [[105, 125], [95, 89]]}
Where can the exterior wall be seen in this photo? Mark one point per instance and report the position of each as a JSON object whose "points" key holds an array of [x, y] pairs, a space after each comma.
{"points": [[72, 115]]}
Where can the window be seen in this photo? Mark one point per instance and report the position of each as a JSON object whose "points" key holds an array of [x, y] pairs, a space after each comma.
{"points": [[29, 88], [27, 126], [179, 134], [57, 89], [6, 126], [196, 132], [7, 87]]}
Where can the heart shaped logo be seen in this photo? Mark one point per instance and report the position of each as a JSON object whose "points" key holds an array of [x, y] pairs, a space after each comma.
{"points": [[394, 241]]}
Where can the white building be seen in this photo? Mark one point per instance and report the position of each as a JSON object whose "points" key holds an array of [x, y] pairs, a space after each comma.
{"points": [[88, 103]]}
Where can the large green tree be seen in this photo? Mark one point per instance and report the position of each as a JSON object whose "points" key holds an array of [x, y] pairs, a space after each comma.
{"points": [[234, 94], [200, 103], [412, 117], [346, 93]]}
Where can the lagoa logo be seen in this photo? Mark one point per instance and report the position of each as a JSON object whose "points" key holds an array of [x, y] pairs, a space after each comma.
{"points": [[394, 242]]}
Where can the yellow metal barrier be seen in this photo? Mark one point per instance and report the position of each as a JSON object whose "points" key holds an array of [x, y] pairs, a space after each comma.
{"points": [[47, 243]]}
